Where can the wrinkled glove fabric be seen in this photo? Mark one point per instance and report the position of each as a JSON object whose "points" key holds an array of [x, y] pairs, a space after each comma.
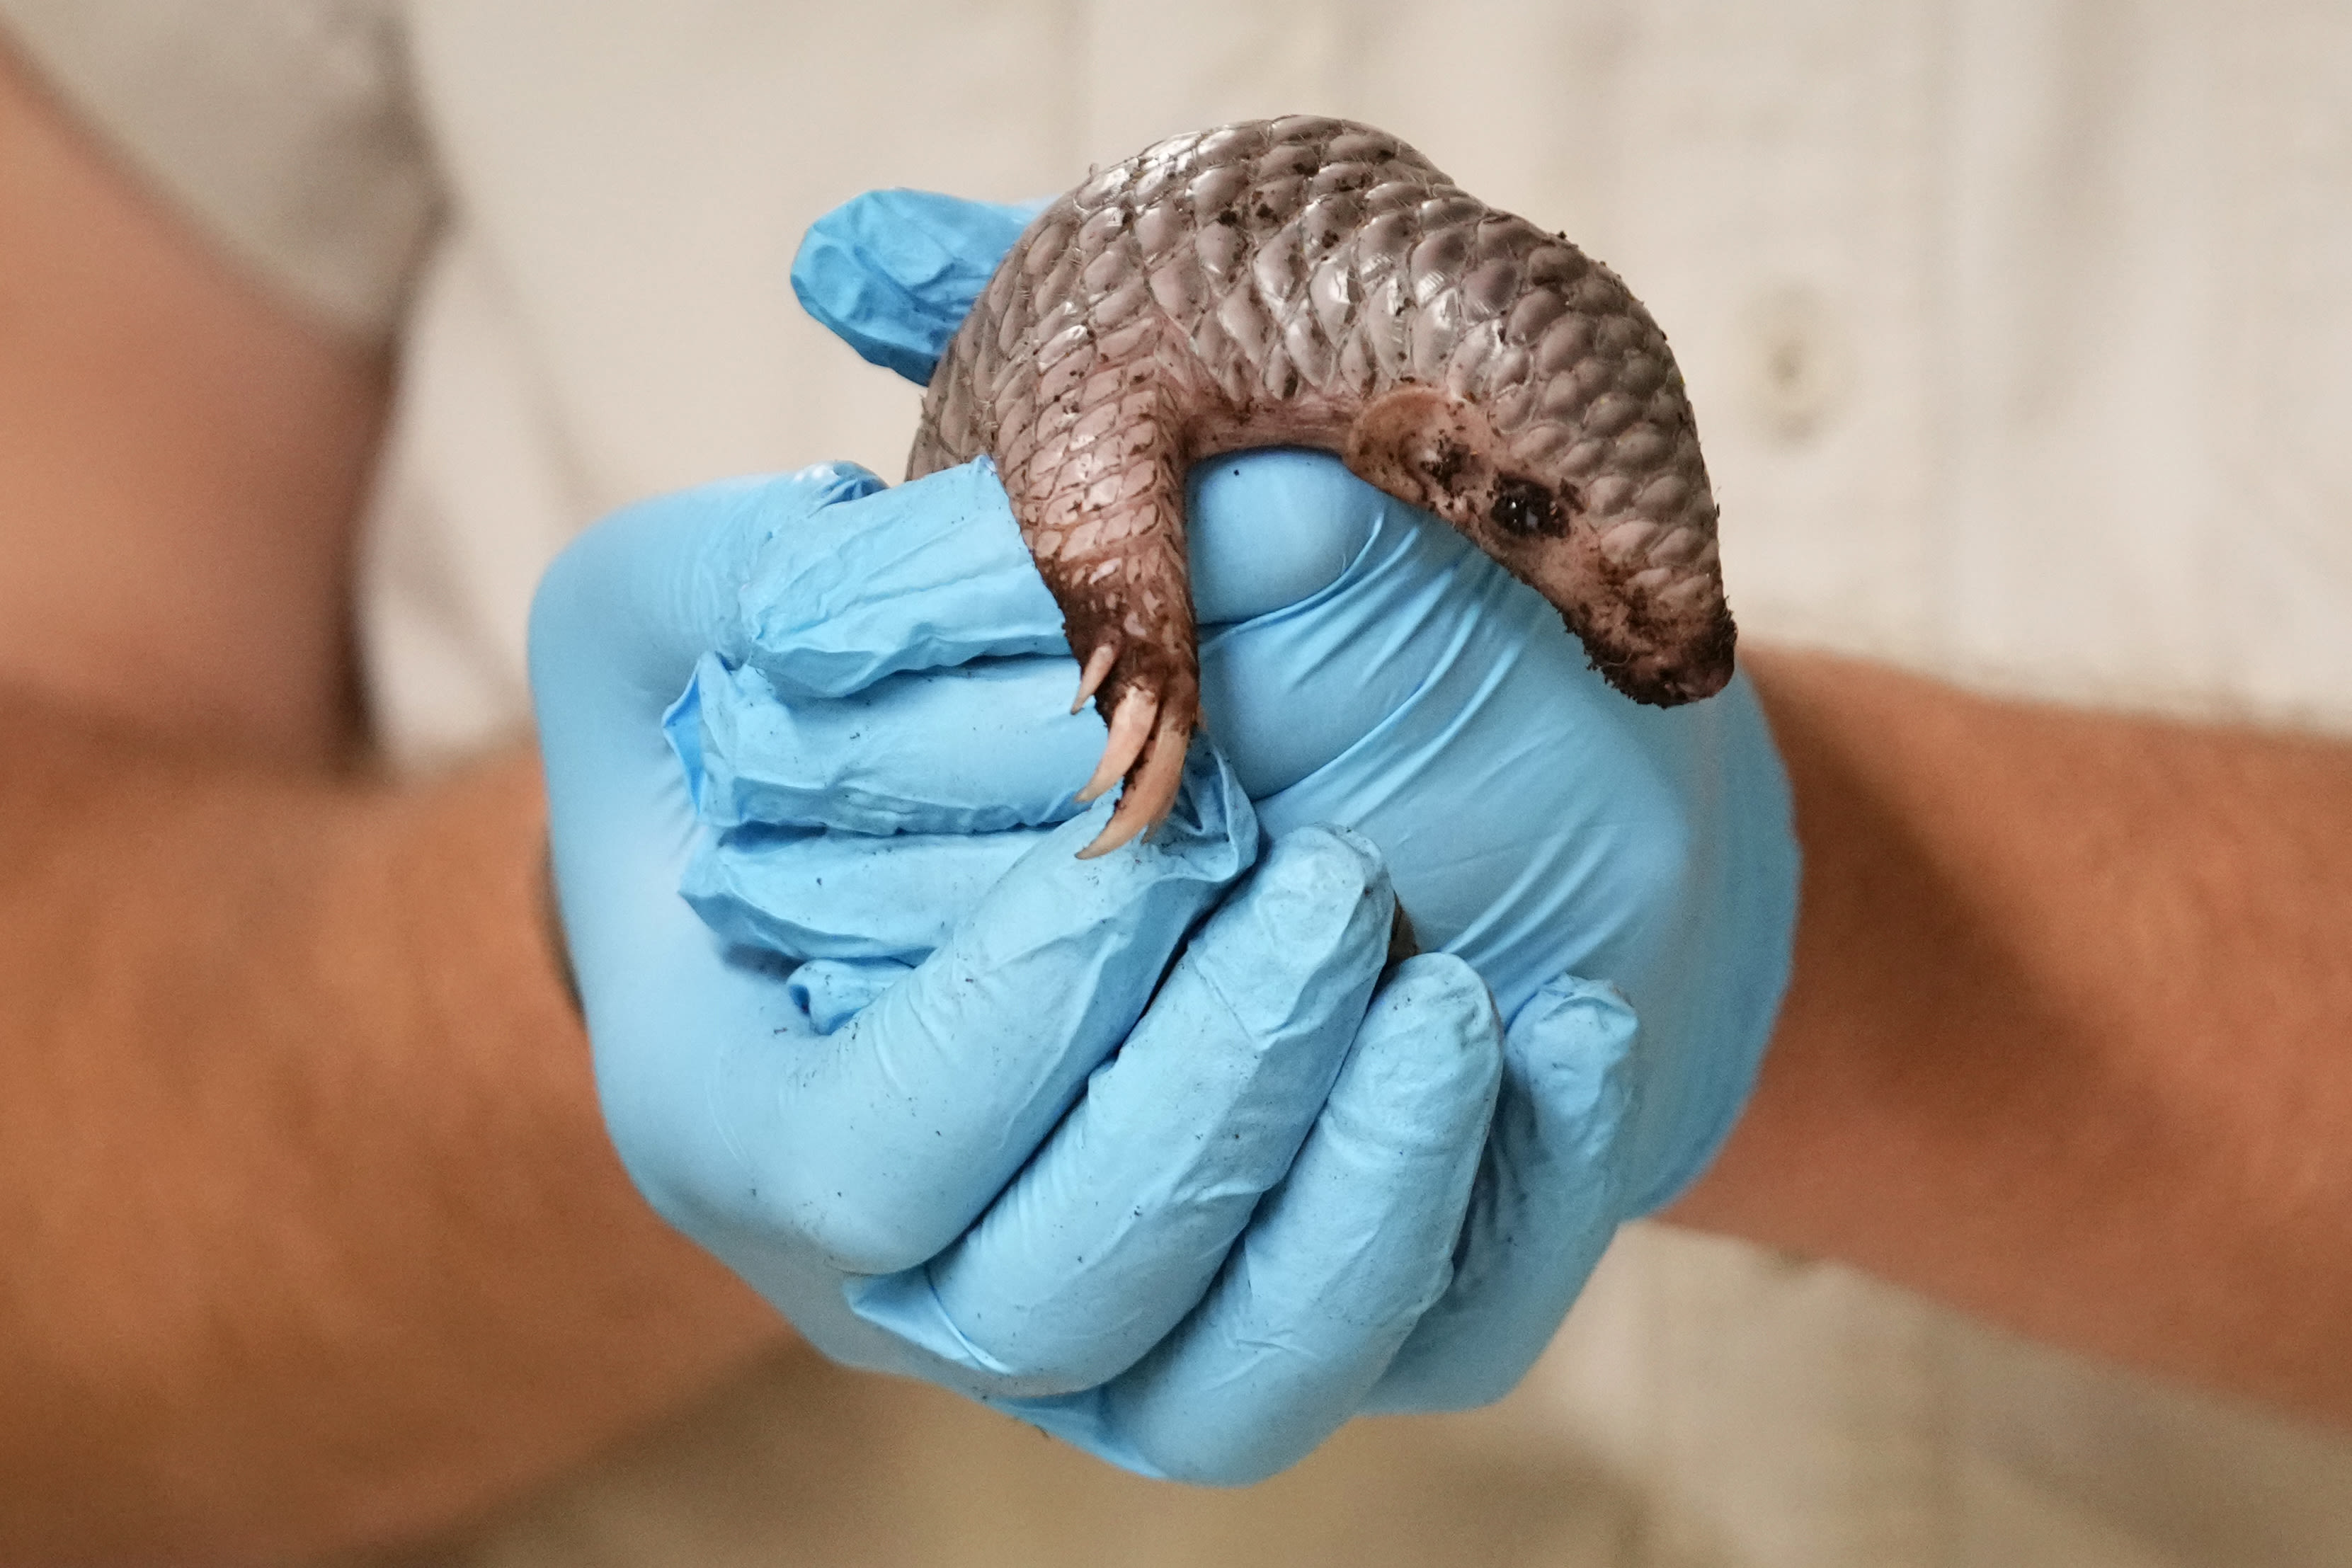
{"points": [[1150, 1150]]}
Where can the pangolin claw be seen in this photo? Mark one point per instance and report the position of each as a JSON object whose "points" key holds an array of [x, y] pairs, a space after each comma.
{"points": [[1151, 789], [1098, 663], [1130, 729]]}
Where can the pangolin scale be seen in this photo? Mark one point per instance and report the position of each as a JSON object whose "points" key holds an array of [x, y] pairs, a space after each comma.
{"points": [[1315, 282]]}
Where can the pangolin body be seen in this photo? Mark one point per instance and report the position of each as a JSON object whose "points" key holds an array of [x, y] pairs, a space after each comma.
{"points": [[1315, 282]]}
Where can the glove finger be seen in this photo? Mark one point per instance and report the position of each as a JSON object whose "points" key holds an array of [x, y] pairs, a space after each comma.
{"points": [[1292, 688], [1427, 672], [880, 1142], [1270, 529], [1341, 1259], [1109, 1236], [924, 576], [841, 895], [986, 747], [1545, 1203], [617, 628], [893, 273], [640, 597]]}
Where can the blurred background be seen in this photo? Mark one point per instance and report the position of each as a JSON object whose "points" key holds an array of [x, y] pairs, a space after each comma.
{"points": [[2020, 335]]}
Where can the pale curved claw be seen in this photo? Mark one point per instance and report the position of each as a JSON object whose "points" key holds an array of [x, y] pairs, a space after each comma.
{"points": [[1150, 793], [1098, 665], [1131, 728]]}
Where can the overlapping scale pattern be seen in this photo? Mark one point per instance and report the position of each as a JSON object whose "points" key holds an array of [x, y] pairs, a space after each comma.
{"points": [[1272, 281]]}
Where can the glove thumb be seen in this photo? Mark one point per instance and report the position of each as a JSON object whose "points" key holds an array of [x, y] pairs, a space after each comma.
{"points": [[894, 273]]}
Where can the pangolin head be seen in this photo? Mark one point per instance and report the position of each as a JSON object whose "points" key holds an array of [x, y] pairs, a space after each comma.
{"points": [[1607, 517]]}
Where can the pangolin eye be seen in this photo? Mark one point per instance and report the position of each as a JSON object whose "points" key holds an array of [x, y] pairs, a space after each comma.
{"points": [[1525, 509]]}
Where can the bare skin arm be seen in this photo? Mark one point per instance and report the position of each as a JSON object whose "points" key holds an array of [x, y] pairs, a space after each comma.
{"points": [[312, 1234], [2070, 1042]]}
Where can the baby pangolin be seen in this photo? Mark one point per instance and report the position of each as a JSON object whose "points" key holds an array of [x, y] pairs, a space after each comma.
{"points": [[1318, 283]]}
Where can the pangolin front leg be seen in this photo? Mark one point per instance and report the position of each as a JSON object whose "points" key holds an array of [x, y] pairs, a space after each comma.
{"points": [[1310, 281], [1091, 434], [1099, 492]]}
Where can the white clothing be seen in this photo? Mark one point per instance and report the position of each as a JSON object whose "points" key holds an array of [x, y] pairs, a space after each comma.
{"points": [[2020, 336]]}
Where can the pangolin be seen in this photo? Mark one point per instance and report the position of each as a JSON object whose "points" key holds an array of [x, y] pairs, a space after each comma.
{"points": [[1315, 282]]}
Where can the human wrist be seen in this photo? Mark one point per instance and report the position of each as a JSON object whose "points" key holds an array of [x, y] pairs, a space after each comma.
{"points": [[460, 864]]}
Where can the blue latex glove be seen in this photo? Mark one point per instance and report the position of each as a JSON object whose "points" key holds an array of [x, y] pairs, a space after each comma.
{"points": [[1596, 862], [976, 1137]]}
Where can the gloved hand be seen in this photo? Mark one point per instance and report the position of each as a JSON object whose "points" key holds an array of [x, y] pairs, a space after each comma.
{"points": [[1596, 862], [979, 1139]]}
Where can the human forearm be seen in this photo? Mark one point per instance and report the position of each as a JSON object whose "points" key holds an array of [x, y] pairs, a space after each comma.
{"points": [[313, 1232], [2066, 1044]]}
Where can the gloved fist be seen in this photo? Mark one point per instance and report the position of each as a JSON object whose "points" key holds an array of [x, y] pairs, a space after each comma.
{"points": [[910, 1073], [1596, 862], [1148, 1147]]}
